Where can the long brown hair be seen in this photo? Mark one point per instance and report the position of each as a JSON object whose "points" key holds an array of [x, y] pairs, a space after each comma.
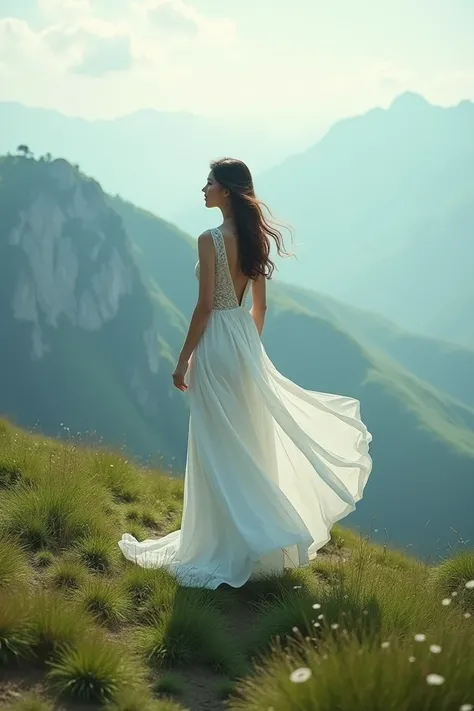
{"points": [[254, 230]]}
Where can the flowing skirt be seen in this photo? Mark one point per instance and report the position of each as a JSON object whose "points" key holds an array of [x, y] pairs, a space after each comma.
{"points": [[270, 466]]}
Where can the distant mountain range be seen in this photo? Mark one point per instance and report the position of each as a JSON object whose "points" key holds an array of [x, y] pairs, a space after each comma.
{"points": [[383, 210], [95, 298], [382, 205], [159, 160]]}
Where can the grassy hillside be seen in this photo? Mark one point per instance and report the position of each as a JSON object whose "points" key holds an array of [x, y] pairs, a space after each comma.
{"points": [[363, 627]]}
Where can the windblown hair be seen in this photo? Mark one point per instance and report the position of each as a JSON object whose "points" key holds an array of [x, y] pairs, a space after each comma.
{"points": [[254, 230]]}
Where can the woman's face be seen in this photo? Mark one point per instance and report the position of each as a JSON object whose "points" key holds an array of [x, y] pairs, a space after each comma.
{"points": [[214, 193]]}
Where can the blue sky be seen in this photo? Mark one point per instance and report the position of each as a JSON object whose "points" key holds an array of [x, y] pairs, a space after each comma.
{"points": [[297, 64]]}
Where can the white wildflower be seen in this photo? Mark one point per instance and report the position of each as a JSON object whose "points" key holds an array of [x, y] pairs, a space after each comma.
{"points": [[435, 679], [316, 606], [296, 587], [435, 649], [420, 637], [447, 601], [295, 629], [454, 594], [412, 659], [470, 585], [385, 645], [320, 617], [467, 615], [466, 707], [316, 624], [334, 626], [298, 676]]}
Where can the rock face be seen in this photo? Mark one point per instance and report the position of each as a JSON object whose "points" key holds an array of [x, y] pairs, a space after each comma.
{"points": [[68, 277]]}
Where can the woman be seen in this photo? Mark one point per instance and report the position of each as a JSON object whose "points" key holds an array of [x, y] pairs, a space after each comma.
{"points": [[270, 466]]}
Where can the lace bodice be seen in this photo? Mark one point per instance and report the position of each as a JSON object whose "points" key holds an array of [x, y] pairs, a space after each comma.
{"points": [[224, 293]]}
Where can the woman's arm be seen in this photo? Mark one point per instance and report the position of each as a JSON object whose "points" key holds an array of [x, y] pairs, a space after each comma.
{"points": [[203, 308], [259, 302]]}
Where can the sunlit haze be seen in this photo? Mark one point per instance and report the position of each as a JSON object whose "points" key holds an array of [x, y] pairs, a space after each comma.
{"points": [[298, 65]]}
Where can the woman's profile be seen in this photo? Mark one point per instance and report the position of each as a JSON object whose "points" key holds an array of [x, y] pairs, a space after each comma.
{"points": [[270, 466]]}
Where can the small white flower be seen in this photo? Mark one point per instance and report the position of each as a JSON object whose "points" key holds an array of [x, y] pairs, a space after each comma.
{"points": [[334, 626], [295, 629], [316, 606], [435, 649], [466, 707], [316, 624], [435, 679], [296, 587], [320, 617], [412, 659], [470, 585], [453, 594], [299, 676], [467, 615], [385, 645], [420, 637], [447, 601], [365, 612]]}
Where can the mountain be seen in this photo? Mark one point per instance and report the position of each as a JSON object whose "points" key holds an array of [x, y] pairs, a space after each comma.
{"points": [[159, 160], [95, 297], [82, 344], [383, 213], [447, 366]]}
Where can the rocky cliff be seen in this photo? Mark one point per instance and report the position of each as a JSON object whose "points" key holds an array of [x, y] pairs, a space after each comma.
{"points": [[76, 318]]}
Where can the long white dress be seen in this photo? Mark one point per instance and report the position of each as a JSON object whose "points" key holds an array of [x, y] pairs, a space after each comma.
{"points": [[270, 466]]}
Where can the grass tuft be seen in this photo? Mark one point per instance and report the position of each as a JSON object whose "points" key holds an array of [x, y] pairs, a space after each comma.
{"points": [[451, 577], [55, 622], [67, 575], [16, 636], [105, 601], [185, 632], [98, 553], [89, 672], [14, 567]]}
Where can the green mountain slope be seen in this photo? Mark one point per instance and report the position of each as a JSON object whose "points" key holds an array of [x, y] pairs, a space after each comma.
{"points": [[447, 366]]}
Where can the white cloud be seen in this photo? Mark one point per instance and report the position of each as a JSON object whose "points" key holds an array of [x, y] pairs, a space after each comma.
{"points": [[180, 17], [103, 55]]}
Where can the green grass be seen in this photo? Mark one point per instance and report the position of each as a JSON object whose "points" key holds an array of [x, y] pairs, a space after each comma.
{"points": [[96, 629], [66, 575], [91, 671], [452, 576], [16, 636], [349, 674], [98, 553], [186, 629], [105, 601], [13, 563], [31, 702]]}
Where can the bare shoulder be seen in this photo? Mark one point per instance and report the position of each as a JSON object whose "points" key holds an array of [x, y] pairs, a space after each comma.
{"points": [[205, 236], [205, 241]]}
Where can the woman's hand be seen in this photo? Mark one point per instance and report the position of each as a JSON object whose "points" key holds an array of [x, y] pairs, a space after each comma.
{"points": [[178, 375]]}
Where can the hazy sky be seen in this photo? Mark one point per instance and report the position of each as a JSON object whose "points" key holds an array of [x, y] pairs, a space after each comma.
{"points": [[294, 62]]}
